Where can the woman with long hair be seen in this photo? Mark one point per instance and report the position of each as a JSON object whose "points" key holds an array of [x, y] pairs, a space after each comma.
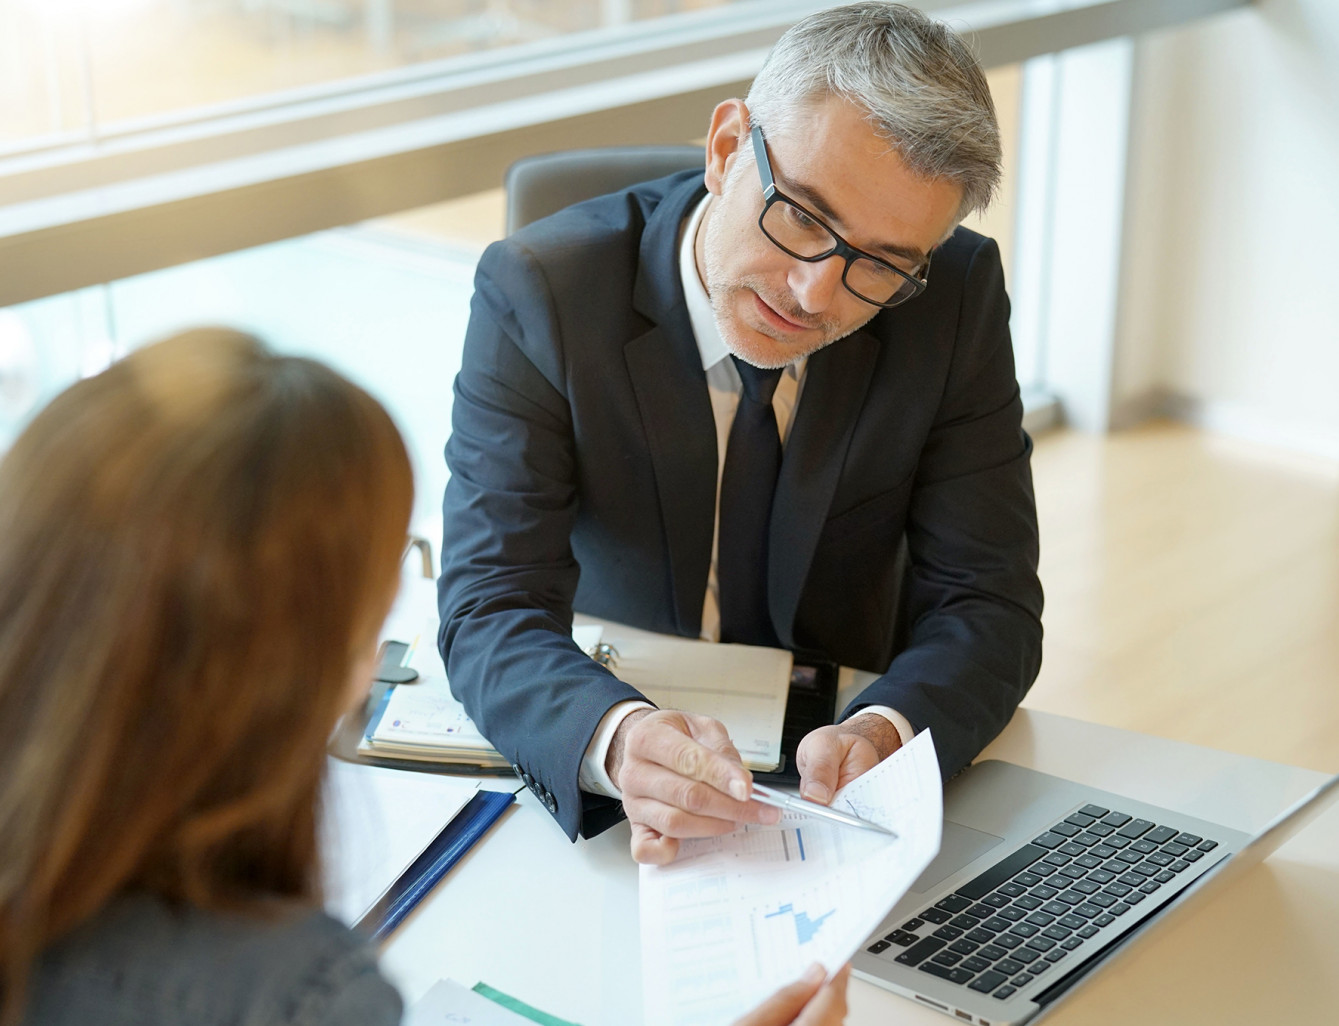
{"points": [[197, 550]]}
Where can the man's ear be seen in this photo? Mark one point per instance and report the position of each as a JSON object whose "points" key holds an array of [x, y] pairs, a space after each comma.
{"points": [[726, 139]]}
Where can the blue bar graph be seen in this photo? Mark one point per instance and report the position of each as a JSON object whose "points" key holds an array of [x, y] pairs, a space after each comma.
{"points": [[805, 928]]}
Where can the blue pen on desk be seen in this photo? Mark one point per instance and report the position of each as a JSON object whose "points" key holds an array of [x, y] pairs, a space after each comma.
{"points": [[793, 803]]}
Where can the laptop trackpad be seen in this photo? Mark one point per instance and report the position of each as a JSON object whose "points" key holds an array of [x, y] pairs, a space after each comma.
{"points": [[960, 846]]}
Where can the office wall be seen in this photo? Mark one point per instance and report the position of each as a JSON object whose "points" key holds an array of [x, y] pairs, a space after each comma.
{"points": [[1230, 291]]}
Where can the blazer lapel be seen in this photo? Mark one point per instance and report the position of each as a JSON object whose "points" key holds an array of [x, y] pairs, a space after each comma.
{"points": [[836, 380], [671, 389]]}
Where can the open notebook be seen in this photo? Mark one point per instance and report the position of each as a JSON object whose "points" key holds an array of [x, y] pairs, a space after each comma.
{"points": [[742, 686]]}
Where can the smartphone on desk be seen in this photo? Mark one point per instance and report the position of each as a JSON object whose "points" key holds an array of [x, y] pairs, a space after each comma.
{"points": [[811, 703]]}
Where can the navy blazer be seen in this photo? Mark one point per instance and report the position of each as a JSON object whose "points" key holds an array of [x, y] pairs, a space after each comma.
{"points": [[583, 475]]}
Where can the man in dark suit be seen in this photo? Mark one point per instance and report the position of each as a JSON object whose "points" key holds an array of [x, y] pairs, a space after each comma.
{"points": [[741, 405]]}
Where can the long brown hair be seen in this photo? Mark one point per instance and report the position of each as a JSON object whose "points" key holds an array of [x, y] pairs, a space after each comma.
{"points": [[195, 547]]}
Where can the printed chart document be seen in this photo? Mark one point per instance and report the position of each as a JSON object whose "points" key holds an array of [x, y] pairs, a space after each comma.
{"points": [[375, 823], [735, 918]]}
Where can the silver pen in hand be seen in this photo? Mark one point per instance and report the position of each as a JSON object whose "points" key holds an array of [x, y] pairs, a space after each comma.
{"points": [[794, 803]]}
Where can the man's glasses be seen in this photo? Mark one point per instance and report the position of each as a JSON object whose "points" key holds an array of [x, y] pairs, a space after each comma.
{"points": [[803, 235]]}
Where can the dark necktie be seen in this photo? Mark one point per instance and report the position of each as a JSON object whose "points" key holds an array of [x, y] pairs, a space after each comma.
{"points": [[748, 481]]}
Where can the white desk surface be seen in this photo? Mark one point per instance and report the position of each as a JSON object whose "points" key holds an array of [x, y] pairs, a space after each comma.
{"points": [[555, 924]]}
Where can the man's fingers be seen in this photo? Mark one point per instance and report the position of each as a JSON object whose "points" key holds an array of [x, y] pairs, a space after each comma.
{"points": [[715, 737], [782, 1007], [674, 822], [677, 776], [667, 743], [819, 758], [829, 758], [651, 847], [648, 780], [861, 757]]}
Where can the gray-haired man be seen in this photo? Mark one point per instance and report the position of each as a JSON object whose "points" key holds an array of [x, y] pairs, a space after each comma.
{"points": [[615, 385]]}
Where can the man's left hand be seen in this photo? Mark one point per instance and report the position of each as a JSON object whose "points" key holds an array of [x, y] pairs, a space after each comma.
{"points": [[829, 758]]}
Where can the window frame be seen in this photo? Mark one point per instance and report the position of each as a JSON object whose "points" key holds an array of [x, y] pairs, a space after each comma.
{"points": [[147, 195]]}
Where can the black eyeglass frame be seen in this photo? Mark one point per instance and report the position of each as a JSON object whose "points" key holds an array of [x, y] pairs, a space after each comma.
{"points": [[840, 247]]}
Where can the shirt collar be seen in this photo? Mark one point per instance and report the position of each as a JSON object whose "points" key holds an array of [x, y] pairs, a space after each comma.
{"points": [[710, 345]]}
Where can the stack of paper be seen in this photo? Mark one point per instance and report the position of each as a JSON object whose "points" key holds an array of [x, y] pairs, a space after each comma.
{"points": [[424, 721], [742, 686], [735, 918]]}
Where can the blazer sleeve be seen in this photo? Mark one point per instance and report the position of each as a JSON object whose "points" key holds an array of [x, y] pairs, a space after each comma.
{"points": [[972, 601], [508, 572]]}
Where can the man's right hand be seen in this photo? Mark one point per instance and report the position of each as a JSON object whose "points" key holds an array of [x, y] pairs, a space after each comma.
{"points": [[680, 776], [802, 1003]]}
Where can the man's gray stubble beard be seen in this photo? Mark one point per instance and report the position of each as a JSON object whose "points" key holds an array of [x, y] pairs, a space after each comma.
{"points": [[720, 292]]}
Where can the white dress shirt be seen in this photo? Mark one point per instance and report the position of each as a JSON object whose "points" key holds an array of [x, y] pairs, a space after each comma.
{"points": [[724, 388]]}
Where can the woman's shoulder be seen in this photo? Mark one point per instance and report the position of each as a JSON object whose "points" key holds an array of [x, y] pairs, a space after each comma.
{"points": [[144, 961]]}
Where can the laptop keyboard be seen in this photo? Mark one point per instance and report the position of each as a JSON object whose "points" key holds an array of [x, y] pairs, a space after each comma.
{"points": [[1025, 914]]}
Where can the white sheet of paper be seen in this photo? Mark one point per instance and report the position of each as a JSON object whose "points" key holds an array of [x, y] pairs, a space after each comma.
{"points": [[377, 821], [735, 918], [449, 1002]]}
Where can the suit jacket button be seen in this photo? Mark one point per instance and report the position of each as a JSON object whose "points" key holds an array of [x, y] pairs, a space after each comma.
{"points": [[516, 768], [550, 802]]}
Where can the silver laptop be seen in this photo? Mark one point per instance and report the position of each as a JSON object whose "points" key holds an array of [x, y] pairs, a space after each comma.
{"points": [[1040, 881]]}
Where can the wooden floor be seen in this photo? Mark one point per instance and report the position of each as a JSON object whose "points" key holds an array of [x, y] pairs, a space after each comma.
{"points": [[1192, 590]]}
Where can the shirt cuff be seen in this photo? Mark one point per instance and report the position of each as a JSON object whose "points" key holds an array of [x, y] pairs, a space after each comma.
{"points": [[593, 777], [904, 728]]}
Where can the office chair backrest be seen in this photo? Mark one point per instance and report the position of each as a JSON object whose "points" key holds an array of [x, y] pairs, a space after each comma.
{"points": [[542, 185]]}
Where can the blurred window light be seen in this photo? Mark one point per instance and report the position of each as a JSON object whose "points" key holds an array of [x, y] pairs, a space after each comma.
{"points": [[18, 373], [99, 353], [89, 8], [85, 66], [386, 306]]}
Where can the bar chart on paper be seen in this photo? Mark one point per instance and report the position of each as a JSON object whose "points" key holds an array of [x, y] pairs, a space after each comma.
{"points": [[805, 926], [736, 917]]}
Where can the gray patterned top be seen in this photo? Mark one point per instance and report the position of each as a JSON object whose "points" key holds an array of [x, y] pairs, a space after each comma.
{"points": [[142, 962]]}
